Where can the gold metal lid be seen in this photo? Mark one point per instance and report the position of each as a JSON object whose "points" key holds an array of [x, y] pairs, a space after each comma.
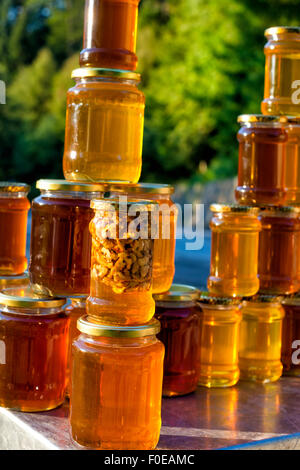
{"points": [[109, 203], [280, 209], [14, 281], [178, 293], [263, 298], [26, 298], [282, 30], [208, 299], [86, 72], [143, 188], [85, 325], [293, 299], [253, 118], [11, 187], [233, 208], [72, 186]]}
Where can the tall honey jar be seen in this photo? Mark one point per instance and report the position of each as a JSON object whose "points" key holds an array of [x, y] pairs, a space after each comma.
{"points": [[60, 253], [75, 310], [117, 386], [218, 352], [279, 250], [104, 127], [290, 351], [234, 250], [260, 339], [164, 245], [122, 260], [282, 71], [269, 167], [179, 316], [110, 31], [33, 350], [22, 280], [14, 207]]}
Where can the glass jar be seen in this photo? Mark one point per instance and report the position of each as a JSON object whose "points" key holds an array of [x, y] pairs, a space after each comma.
{"points": [[290, 351], [22, 280], [260, 339], [60, 259], [279, 250], [104, 127], [75, 310], [164, 245], [269, 167], [218, 354], [122, 259], [110, 31], [179, 315], [234, 250], [14, 207], [117, 386], [33, 350], [282, 71]]}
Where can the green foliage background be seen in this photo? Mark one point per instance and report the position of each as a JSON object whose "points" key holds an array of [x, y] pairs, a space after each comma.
{"points": [[202, 63]]}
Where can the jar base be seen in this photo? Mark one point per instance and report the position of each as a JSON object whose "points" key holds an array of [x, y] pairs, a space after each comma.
{"points": [[34, 406], [250, 196], [219, 379], [232, 287], [258, 371]]}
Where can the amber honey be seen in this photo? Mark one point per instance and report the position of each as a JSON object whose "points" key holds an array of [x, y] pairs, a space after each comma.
{"points": [[260, 339], [279, 250], [117, 386], [33, 350], [6, 282], [218, 352], [290, 351], [14, 207], [282, 71], [122, 260], [164, 245], [104, 127], [234, 251], [110, 31]]}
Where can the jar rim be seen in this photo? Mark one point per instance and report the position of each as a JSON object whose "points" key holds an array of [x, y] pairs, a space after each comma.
{"points": [[13, 280], [89, 327], [89, 72], [264, 298], [13, 187], [206, 299], [282, 30], [26, 298], [178, 293], [256, 118], [280, 209], [71, 186], [143, 188], [233, 208], [108, 203]]}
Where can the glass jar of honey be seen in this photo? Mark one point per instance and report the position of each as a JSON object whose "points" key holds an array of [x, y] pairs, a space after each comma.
{"points": [[218, 353], [75, 310], [282, 71], [290, 351], [60, 259], [33, 350], [110, 31], [117, 386], [14, 207], [260, 339], [234, 250], [179, 316], [122, 260], [164, 245], [22, 280], [279, 250], [269, 167], [104, 127]]}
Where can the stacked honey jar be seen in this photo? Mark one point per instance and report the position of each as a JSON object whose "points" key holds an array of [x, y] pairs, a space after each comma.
{"points": [[253, 309]]}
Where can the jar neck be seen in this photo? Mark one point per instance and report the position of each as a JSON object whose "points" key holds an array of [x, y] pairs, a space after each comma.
{"points": [[70, 194], [176, 305], [13, 195], [19, 311], [113, 80], [120, 342]]}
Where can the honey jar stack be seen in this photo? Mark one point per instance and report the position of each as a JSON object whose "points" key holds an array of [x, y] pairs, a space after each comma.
{"points": [[255, 257]]}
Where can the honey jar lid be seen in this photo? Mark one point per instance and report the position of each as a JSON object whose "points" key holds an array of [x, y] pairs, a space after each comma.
{"points": [[72, 186], [85, 325], [280, 209], [256, 118], [26, 298], [14, 281], [12, 187], [143, 188], [208, 299], [234, 208], [293, 299], [107, 204], [282, 30], [263, 298], [178, 293], [86, 72]]}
